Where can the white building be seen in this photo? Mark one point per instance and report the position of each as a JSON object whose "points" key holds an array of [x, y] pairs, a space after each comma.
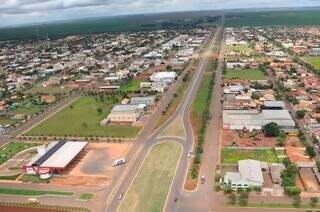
{"points": [[126, 113], [249, 175], [167, 77]]}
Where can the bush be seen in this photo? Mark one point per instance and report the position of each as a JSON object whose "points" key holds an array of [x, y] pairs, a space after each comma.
{"points": [[271, 129], [194, 173], [296, 201], [232, 199], [243, 198], [310, 151], [313, 201], [300, 114], [227, 189], [292, 190]]}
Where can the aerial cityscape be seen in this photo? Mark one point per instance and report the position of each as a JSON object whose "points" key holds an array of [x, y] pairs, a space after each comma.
{"points": [[167, 106]]}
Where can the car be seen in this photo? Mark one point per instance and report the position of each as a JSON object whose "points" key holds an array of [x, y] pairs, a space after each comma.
{"points": [[33, 200], [203, 179], [120, 196], [118, 162]]}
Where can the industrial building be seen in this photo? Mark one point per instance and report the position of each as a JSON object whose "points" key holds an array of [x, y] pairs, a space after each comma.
{"points": [[54, 158], [167, 77], [126, 113], [254, 119], [147, 100]]}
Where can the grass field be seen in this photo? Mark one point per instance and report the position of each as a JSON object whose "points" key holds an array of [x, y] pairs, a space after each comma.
{"points": [[82, 119], [248, 74], [242, 48], [33, 179], [270, 18], [132, 86], [48, 90], [5, 121], [86, 196], [25, 192], [232, 156], [315, 61], [12, 177], [151, 186], [13, 148], [28, 110]]}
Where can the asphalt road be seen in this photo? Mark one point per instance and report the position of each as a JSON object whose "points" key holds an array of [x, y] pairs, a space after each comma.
{"points": [[182, 110]]}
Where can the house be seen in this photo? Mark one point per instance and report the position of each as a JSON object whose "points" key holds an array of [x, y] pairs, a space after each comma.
{"points": [[249, 175], [126, 113], [147, 100], [167, 77]]}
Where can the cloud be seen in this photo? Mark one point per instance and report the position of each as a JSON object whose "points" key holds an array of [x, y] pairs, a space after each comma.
{"points": [[33, 11]]}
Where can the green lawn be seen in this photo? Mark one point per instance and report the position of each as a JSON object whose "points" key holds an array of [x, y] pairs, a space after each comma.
{"points": [[82, 118], [33, 179], [131, 86], [315, 61], [13, 148], [86, 196], [242, 48], [232, 156], [151, 186], [25, 192], [249, 74], [48, 90], [28, 110], [12, 177]]}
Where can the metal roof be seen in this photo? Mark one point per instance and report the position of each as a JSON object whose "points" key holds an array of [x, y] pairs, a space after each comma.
{"points": [[274, 104], [49, 153]]}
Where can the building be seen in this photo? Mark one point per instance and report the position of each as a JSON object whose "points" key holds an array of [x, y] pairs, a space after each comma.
{"points": [[126, 113], [167, 77], [254, 119], [274, 105], [249, 175], [147, 100], [54, 158]]}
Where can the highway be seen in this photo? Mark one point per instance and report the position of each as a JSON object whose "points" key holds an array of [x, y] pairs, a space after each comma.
{"points": [[182, 110]]}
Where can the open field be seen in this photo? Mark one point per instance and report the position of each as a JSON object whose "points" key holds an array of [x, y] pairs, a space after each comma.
{"points": [[13, 148], [242, 48], [151, 186], [313, 60], [27, 207], [48, 90], [28, 110], [249, 74], [82, 119], [86, 196], [233, 155], [131, 86], [270, 18], [25, 192], [5, 121]]}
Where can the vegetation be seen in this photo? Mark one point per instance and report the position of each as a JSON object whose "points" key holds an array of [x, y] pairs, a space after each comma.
{"points": [[132, 86], [271, 129], [314, 61], [33, 179], [271, 18], [201, 115], [25, 192], [243, 198], [289, 178], [151, 186], [13, 148], [12, 177], [301, 113], [247, 74], [82, 118], [242, 48], [48, 90], [233, 155], [310, 150], [52, 207], [86, 196]]}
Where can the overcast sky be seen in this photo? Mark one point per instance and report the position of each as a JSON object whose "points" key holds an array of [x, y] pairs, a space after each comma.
{"points": [[16, 12]]}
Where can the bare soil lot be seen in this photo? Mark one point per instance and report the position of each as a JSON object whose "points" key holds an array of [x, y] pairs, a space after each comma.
{"points": [[308, 179], [94, 166], [231, 137]]}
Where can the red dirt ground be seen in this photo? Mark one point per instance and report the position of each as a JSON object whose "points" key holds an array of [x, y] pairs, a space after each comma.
{"points": [[18, 209], [228, 136]]}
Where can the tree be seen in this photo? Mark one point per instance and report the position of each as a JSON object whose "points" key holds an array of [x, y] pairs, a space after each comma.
{"points": [[243, 198], [271, 129], [232, 199], [310, 150], [99, 110], [318, 165], [300, 114], [313, 201]]}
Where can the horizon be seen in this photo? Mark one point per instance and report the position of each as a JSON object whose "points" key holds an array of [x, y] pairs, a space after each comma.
{"points": [[23, 14]]}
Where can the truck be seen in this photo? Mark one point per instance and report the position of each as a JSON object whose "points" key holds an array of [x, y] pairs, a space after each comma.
{"points": [[118, 162]]}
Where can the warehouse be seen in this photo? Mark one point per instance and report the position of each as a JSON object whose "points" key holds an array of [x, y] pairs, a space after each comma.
{"points": [[147, 100], [54, 158], [167, 77], [254, 119], [126, 113]]}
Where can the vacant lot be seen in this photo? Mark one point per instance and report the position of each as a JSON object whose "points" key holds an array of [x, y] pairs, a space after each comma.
{"points": [[82, 118], [315, 61], [48, 90], [131, 86], [233, 155], [151, 186], [249, 74], [242, 48]]}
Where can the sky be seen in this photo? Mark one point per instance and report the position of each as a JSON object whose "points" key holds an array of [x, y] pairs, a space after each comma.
{"points": [[19, 12]]}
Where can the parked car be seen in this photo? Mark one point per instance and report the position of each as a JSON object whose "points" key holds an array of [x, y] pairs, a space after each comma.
{"points": [[118, 162], [33, 200]]}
